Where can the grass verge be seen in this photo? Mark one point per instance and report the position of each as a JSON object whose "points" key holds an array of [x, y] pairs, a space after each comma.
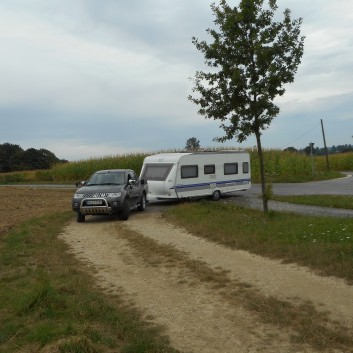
{"points": [[335, 201], [47, 304], [324, 244]]}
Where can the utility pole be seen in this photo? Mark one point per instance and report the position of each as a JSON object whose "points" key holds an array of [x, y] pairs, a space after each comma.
{"points": [[323, 135], [311, 144]]}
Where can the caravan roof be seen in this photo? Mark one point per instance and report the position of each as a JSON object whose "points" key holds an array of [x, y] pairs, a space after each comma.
{"points": [[174, 157], [165, 157]]}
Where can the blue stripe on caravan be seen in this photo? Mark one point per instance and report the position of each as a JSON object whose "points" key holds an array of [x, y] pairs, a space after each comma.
{"points": [[218, 183]]}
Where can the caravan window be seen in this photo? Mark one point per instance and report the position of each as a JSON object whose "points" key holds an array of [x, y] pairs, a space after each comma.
{"points": [[189, 171], [230, 168], [209, 169], [157, 172], [245, 167]]}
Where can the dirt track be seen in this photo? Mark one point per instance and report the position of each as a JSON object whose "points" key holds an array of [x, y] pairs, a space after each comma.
{"points": [[135, 259], [197, 316]]}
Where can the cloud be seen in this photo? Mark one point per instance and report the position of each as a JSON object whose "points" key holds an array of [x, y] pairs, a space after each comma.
{"points": [[88, 77]]}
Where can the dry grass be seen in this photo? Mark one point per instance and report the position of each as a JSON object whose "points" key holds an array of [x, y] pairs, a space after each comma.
{"points": [[19, 204]]}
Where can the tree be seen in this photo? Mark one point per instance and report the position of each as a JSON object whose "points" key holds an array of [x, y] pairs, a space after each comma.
{"points": [[251, 58], [307, 150], [192, 144], [290, 149], [14, 158], [8, 154]]}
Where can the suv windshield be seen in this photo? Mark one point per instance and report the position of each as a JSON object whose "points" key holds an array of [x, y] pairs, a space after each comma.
{"points": [[108, 178]]}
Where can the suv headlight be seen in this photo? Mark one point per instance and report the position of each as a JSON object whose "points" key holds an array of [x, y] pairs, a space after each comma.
{"points": [[114, 194], [78, 196]]}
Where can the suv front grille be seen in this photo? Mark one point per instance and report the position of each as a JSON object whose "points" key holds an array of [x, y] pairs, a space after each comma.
{"points": [[96, 195]]}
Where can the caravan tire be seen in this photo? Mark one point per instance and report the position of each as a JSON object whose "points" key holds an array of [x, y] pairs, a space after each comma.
{"points": [[216, 195]]}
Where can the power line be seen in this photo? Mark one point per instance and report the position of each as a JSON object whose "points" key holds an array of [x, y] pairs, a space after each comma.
{"points": [[290, 143]]}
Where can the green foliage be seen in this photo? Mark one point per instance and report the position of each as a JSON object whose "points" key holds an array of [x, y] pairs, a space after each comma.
{"points": [[287, 166], [8, 153], [192, 143], [81, 170], [281, 166], [6, 178], [81, 345], [43, 175], [252, 57], [14, 158], [268, 194]]}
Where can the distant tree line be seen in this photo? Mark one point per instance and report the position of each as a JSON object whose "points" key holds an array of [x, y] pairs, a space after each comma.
{"points": [[14, 158], [193, 144], [320, 151]]}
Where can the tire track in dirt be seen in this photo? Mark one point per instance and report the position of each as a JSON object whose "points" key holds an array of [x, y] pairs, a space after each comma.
{"points": [[195, 316], [272, 277]]}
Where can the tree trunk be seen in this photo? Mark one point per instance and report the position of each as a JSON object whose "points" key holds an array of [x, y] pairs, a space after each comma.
{"points": [[262, 172]]}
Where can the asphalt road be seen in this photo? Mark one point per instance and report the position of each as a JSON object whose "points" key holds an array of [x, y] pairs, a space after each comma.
{"points": [[250, 198], [342, 186]]}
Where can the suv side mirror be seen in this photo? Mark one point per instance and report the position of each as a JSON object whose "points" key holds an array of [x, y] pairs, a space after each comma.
{"points": [[142, 181], [80, 183]]}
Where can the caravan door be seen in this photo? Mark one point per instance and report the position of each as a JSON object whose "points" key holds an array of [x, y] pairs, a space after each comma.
{"points": [[160, 180]]}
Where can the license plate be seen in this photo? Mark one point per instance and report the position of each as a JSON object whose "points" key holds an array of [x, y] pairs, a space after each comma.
{"points": [[94, 202]]}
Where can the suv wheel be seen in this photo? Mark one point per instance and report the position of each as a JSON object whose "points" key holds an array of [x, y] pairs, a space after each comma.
{"points": [[124, 214], [80, 217], [142, 205]]}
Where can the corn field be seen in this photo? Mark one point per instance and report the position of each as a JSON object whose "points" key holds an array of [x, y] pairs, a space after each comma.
{"points": [[280, 166], [286, 166], [81, 170]]}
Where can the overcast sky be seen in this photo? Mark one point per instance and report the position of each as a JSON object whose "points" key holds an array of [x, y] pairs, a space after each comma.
{"points": [[89, 78]]}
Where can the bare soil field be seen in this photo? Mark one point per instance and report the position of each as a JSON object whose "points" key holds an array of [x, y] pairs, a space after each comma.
{"points": [[21, 203], [204, 295]]}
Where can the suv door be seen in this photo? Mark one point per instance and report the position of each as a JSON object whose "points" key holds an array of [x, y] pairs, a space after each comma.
{"points": [[134, 188]]}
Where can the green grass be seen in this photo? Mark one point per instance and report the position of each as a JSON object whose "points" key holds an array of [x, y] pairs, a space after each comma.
{"points": [[47, 301], [334, 201], [324, 244]]}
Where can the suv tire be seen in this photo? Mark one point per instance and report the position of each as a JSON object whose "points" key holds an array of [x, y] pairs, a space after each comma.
{"points": [[124, 214], [80, 217]]}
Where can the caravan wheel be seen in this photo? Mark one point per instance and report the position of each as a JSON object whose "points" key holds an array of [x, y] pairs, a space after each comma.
{"points": [[216, 195]]}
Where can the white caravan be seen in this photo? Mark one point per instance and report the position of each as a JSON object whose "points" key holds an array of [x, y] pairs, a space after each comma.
{"points": [[196, 174]]}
